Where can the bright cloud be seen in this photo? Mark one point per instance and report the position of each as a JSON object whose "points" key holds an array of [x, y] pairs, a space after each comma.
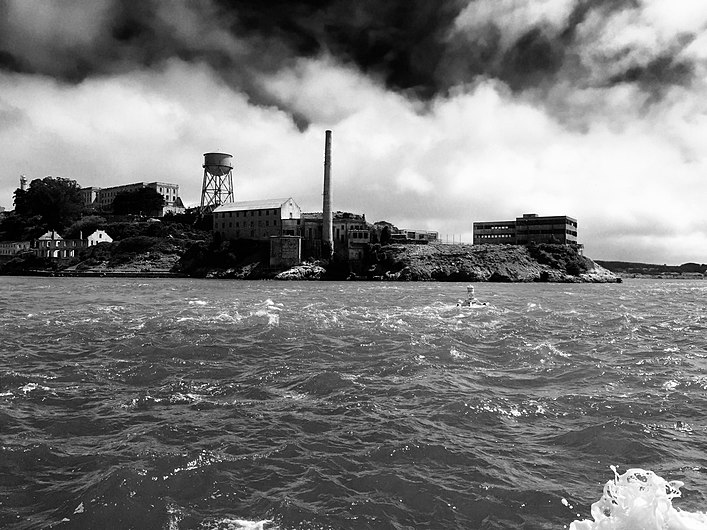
{"points": [[608, 137]]}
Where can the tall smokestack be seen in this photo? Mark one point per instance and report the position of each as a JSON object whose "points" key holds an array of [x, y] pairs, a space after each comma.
{"points": [[328, 229], [23, 182]]}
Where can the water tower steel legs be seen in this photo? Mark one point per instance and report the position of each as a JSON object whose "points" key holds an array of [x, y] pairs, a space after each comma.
{"points": [[216, 190]]}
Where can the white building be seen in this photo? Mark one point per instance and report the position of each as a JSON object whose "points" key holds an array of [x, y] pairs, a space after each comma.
{"points": [[99, 236]]}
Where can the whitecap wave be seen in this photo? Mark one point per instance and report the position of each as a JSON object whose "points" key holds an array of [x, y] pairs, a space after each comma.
{"points": [[640, 499]]}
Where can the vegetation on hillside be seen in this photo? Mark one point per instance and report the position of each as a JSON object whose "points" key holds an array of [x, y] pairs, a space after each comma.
{"points": [[560, 257], [649, 269], [143, 201], [55, 200], [56, 204]]}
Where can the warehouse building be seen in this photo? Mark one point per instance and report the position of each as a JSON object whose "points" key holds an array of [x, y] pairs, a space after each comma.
{"points": [[257, 220]]}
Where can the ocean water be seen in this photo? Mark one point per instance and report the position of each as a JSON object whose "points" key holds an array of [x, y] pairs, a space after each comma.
{"points": [[177, 404]]}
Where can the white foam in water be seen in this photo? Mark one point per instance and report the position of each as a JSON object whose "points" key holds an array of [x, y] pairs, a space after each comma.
{"points": [[637, 500], [241, 524]]}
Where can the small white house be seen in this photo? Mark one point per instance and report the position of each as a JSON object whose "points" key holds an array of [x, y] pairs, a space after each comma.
{"points": [[99, 236]]}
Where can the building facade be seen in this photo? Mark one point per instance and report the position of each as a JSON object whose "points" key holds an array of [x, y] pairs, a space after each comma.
{"points": [[102, 198], [530, 228], [350, 230], [405, 235], [258, 220], [99, 236], [10, 248], [285, 251], [52, 245]]}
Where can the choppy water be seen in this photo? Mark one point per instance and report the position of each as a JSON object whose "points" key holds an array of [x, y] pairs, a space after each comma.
{"points": [[175, 404]]}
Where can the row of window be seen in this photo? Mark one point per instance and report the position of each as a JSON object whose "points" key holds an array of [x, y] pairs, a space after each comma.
{"points": [[546, 232], [56, 243], [252, 213], [252, 223], [493, 227]]}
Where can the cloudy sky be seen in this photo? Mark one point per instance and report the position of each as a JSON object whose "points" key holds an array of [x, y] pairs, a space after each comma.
{"points": [[443, 112]]}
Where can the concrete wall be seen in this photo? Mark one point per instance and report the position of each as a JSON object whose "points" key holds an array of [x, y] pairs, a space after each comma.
{"points": [[285, 251]]}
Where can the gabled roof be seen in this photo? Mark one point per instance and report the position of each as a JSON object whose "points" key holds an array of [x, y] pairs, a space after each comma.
{"points": [[50, 235], [251, 205]]}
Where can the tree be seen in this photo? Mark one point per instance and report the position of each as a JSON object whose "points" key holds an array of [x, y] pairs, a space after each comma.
{"points": [[84, 227], [145, 201], [385, 235], [56, 200]]}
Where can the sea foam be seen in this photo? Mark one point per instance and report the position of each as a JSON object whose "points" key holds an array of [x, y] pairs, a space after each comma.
{"points": [[640, 499]]}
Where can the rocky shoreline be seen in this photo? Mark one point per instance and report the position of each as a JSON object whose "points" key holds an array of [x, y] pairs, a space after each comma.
{"points": [[433, 262], [397, 262], [489, 263]]}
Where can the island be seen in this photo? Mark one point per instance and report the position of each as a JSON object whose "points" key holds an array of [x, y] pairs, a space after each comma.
{"points": [[168, 248]]}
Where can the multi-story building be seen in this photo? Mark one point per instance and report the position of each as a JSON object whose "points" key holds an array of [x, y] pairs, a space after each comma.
{"points": [[91, 197], [530, 228], [495, 232], [258, 220], [351, 234], [553, 229], [52, 245], [102, 198], [10, 248]]}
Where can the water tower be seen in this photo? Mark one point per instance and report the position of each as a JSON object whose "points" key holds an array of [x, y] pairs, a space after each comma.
{"points": [[218, 181]]}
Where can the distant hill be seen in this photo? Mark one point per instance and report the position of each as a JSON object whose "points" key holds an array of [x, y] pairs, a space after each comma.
{"points": [[648, 269]]}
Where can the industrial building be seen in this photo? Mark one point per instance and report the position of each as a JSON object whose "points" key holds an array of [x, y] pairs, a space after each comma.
{"points": [[259, 220], [350, 232], [530, 228], [102, 198]]}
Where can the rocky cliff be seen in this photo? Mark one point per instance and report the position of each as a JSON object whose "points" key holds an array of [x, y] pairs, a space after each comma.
{"points": [[481, 263]]}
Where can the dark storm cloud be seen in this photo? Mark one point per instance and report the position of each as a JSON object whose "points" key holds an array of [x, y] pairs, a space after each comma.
{"points": [[657, 73], [412, 46]]}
